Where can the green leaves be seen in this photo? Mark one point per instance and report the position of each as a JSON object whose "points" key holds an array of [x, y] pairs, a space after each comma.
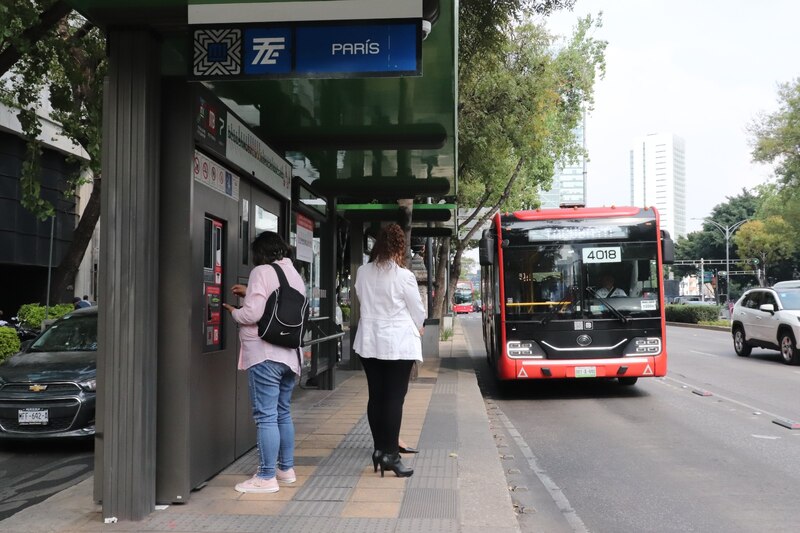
{"points": [[59, 75], [520, 99]]}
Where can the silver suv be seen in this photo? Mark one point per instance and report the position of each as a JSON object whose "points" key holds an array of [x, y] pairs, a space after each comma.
{"points": [[768, 318]]}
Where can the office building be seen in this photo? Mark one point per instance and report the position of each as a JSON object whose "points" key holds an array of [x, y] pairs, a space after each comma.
{"points": [[569, 181], [658, 178]]}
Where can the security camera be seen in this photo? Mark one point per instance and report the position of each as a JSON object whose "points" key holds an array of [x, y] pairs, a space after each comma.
{"points": [[426, 29]]}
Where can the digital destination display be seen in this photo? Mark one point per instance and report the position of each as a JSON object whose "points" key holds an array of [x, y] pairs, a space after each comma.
{"points": [[577, 233]]}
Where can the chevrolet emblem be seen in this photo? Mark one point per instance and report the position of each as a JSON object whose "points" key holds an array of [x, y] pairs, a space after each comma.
{"points": [[37, 388]]}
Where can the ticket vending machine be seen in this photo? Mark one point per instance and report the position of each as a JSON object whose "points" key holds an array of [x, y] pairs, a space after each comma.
{"points": [[213, 231], [211, 208]]}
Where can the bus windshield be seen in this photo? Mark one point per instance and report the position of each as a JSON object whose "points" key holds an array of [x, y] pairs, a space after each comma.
{"points": [[581, 280]]}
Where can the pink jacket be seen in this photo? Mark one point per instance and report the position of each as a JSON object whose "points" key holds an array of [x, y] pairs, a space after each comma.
{"points": [[262, 282]]}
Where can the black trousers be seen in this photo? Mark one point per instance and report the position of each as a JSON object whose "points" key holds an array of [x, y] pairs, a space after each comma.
{"points": [[388, 385]]}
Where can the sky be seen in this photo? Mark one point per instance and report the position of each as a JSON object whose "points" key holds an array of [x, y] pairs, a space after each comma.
{"points": [[701, 69]]}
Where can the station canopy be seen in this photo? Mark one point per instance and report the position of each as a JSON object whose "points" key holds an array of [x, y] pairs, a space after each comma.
{"points": [[364, 139]]}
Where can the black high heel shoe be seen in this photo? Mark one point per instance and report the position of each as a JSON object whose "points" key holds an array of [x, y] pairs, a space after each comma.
{"points": [[391, 461], [376, 458], [407, 449]]}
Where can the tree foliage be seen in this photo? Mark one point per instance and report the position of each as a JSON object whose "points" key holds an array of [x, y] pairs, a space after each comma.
{"points": [[776, 136], [519, 101], [709, 243], [769, 241], [57, 65], [775, 139]]}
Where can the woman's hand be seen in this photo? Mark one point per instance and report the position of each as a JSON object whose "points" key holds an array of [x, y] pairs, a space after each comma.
{"points": [[239, 290], [228, 307]]}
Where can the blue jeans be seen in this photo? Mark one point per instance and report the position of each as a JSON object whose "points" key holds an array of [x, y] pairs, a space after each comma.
{"points": [[271, 386]]}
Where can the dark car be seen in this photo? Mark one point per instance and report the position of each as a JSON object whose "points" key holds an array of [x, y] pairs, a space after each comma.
{"points": [[48, 389]]}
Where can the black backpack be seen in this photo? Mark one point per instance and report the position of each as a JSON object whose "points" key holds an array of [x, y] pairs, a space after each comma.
{"points": [[285, 315]]}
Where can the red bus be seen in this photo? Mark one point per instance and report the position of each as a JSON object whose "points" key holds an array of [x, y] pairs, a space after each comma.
{"points": [[463, 298], [575, 293]]}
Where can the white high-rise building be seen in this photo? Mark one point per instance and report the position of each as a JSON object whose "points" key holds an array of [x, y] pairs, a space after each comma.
{"points": [[658, 178], [569, 182]]}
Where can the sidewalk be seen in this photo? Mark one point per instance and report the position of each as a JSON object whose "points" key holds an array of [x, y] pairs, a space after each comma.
{"points": [[458, 483]]}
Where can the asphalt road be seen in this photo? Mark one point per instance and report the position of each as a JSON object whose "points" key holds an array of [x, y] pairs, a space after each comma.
{"points": [[696, 451], [31, 472]]}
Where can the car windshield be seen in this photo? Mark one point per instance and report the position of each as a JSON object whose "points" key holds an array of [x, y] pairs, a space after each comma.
{"points": [[71, 334], [790, 299]]}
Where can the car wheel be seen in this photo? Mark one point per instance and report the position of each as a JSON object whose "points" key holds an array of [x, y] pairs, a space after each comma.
{"points": [[788, 351], [627, 382], [740, 343]]}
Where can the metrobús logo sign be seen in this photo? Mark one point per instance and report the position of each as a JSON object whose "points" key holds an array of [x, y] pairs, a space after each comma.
{"points": [[268, 50]]}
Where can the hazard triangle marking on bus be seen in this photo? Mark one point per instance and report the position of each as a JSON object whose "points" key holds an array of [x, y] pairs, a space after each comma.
{"points": [[522, 373], [647, 371]]}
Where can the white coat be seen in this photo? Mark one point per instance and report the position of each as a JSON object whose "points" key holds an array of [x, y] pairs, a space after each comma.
{"points": [[391, 313]]}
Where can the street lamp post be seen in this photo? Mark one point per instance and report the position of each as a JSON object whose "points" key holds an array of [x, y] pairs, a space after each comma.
{"points": [[727, 231]]}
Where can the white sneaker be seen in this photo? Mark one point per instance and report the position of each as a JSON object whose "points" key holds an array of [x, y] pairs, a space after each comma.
{"points": [[258, 485], [287, 476]]}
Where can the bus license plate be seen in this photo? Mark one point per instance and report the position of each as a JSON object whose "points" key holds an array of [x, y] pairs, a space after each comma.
{"points": [[585, 372], [33, 417]]}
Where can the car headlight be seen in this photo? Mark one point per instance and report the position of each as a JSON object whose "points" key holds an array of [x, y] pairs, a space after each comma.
{"points": [[517, 349], [90, 385], [644, 346]]}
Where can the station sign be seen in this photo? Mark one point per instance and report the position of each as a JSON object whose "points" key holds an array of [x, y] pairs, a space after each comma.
{"points": [[343, 49]]}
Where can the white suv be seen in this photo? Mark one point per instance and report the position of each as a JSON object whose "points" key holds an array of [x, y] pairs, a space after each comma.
{"points": [[768, 318]]}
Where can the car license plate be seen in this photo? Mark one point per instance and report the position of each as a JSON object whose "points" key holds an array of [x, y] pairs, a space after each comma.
{"points": [[33, 416], [585, 372]]}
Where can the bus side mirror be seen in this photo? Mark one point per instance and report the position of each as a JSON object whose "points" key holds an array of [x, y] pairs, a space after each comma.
{"points": [[667, 248], [485, 246]]}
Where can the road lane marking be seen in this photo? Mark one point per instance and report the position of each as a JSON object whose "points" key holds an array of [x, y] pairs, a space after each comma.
{"points": [[704, 353], [555, 491], [751, 408], [767, 437]]}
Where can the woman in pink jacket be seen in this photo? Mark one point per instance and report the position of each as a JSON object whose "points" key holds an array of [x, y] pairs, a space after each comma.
{"points": [[272, 370], [388, 341]]}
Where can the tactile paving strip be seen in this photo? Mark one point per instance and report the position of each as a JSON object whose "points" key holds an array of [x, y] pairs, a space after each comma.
{"points": [[426, 525], [430, 503]]}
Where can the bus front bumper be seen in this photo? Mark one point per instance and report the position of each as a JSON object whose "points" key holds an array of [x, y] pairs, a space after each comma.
{"points": [[649, 366]]}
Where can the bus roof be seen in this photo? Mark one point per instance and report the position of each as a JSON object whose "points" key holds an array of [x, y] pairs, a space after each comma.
{"points": [[576, 212]]}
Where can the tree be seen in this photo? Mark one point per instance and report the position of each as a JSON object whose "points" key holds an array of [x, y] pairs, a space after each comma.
{"points": [[775, 139], [518, 106], [52, 53], [709, 243], [768, 241], [776, 136]]}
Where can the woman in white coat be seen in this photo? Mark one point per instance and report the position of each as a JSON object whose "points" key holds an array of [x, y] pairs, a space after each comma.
{"points": [[388, 341]]}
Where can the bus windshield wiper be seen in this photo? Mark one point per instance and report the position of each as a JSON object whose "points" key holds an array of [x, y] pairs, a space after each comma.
{"points": [[560, 307], [610, 307]]}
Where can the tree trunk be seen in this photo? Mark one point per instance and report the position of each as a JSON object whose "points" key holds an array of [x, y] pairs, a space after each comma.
{"points": [[455, 267], [64, 274], [439, 300]]}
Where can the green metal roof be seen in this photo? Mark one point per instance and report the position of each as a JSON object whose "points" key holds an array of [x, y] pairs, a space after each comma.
{"points": [[337, 128]]}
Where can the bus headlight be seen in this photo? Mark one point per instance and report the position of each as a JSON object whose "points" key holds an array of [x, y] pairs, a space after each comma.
{"points": [[519, 349], [644, 346]]}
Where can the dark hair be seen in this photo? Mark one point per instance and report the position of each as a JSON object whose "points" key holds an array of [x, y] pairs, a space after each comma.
{"points": [[269, 247], [390, 246]]}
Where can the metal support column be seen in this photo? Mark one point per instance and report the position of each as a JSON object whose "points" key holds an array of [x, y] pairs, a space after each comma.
{"points": [[128, 320], [356, 255], [328, 253]]}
